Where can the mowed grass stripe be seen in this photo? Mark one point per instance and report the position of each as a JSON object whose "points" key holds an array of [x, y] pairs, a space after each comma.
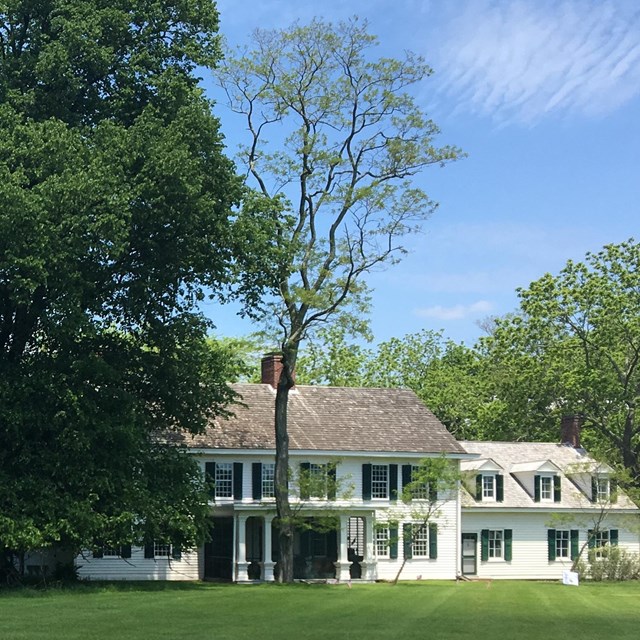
{"points": [[440, 610]]}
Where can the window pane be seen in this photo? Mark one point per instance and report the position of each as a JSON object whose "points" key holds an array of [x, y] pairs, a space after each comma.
{"points": [[420, 541], [546, 488], [562, 544], [495, 544], [268, 480], [382, 542], [224, 480], [379, 481], [488, 486]]}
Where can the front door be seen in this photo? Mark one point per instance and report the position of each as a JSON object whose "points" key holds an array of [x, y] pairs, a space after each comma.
{"points": [[469, 553], [218, 553]]}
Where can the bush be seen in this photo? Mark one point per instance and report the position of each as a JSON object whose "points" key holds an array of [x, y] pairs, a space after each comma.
{"points": [[614, 563]]}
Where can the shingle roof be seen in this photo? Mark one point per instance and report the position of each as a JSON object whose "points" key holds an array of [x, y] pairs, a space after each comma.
{"points": [[510, 454], [331, 418]]}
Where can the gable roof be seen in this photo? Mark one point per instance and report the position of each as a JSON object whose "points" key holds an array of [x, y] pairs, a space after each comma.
{"points": [[331, 419], [514, 457]]}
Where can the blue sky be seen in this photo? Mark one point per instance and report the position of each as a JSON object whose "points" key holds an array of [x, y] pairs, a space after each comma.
{"points": [[544, 97]]}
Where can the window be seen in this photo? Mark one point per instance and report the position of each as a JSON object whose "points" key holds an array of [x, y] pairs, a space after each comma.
{"points": [[382, 542], [495, 544], [562, 544], [379, 481], [546, 488], [420, 491], [601, 541], [602, 489], [161, 550], [420, 546], [224, 480], [268, 480], [317, 480], [488, 487], [111, 552]]}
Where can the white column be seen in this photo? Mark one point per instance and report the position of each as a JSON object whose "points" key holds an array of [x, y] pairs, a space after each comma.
{"points": [[368, 564], [241, 560], [267, 563], [343, 565]]}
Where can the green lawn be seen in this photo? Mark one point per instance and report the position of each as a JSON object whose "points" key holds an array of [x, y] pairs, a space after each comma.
{"points": [[438, 610]]}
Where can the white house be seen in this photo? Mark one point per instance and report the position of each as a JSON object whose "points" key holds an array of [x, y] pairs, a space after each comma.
{"points": [[501, 523]]}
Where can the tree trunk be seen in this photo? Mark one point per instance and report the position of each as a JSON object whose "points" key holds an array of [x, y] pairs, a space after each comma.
{"points": [[283, 507]]}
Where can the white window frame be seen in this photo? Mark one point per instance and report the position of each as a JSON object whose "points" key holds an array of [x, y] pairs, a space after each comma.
{"points": [[268, 480], [161, 550], [488, 487], [382, 542], [603, 489], [602, 541], [380, 484], [111, 552], [223, 481], [420, 541], [496, 544], [546, 488], [563, 544], [420, 491], [318, 478]]}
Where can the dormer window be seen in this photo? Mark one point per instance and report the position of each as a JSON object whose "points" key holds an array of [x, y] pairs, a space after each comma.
{"points": [[546, 488], [602, 489], [488, 487]]}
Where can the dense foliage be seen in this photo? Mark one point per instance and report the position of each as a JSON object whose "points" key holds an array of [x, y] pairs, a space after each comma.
{"points": [[116, 219]]}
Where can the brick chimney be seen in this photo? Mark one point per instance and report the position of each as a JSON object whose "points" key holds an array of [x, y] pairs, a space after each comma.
{"points": [[570, 428], [271, 369]]}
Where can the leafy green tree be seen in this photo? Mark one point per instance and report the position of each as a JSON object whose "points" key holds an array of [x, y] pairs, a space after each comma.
{"points": [[116, 219], [575, 348], [346, 141]]}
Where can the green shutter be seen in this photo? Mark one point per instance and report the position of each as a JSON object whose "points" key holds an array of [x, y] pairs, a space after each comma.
{"points": [[594, 489], [536, 488], [613, 537], [508, 544], [125, 551], [484, 544], [613, 490], [176, 552], [256, 480], [407, 539], [433, 491], [366, 482], [575, 544], [331, 481], [393, 482], [305, 478], [479, 487], [500, 488], [393, 542], [551, 544], [210, 477], [433, 541], [149, 550], [557, 492], [237, 480], [592, 539]]}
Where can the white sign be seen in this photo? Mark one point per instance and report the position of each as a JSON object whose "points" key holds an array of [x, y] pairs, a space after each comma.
{"points": [[570, 578]]}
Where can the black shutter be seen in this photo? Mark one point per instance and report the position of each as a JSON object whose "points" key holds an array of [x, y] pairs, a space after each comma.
{"points": [[433, 541], [256, 480], [592, 539], [331, 481], [406, 536], [149, 550], [508, 544], [557, 492], [393, 542], [406, 476], [551, 543], [98, 552], [594, 489], [433, 491], [125, 551], [484, 545], [575, 544], [613, 490], [479, 487], [536, 488], [210, 477], [393, 482], [366, 482], [237, 480], [305, 478], [176, 552], [499, 488]]}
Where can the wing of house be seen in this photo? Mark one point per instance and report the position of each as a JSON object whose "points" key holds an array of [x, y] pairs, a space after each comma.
{"points": [[529, 507]]}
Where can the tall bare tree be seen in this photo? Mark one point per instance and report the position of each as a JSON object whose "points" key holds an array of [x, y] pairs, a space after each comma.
{"points": [[335, 140]]}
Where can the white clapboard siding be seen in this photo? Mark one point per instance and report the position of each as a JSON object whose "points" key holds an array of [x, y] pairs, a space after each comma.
{"points": [[138, 567], [529, 544]]}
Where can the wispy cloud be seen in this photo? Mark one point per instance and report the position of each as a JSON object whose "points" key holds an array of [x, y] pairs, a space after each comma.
{"points": [[526, 59], [456, 312]]}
